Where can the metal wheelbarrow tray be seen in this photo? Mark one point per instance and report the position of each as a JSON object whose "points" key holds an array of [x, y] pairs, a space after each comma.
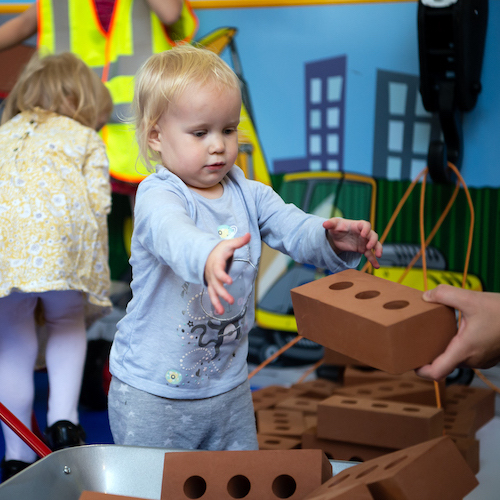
{"points": [[108, 468]]}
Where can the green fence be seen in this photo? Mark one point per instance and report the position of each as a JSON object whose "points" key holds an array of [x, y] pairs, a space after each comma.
{"points": [[452, 238]]}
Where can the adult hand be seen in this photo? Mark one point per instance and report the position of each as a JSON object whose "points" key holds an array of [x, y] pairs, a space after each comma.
{"points": [[477, 342]]}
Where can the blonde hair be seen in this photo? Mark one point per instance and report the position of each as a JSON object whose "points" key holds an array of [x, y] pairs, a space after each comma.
{"points": [[63, 84], [163, 78]]}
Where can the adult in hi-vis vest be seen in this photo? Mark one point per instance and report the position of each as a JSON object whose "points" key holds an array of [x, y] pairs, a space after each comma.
{"points": [[137, 29]]}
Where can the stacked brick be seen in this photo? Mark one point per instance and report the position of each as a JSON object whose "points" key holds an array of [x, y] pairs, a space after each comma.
{"points": [[371, 414], [434, 470]]}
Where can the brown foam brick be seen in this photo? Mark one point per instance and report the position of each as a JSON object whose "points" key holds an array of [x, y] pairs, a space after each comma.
{"points": [[279, 422], [277, 442], [308, 406], [319, 388], [378, 322], [94, 495], [335, 358], [377, 423], [404, 391], [267, 397], [353, 491], [469, 448], [480, 401], [460, 423], [341, 450], [433, 470], [253, 475]]}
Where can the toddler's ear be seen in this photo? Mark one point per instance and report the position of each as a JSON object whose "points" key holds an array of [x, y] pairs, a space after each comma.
{"points": [[154, 139]]}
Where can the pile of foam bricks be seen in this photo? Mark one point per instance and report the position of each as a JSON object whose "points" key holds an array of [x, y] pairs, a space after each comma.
{"points": [[377, 419], [402, 447], [381, 415]]}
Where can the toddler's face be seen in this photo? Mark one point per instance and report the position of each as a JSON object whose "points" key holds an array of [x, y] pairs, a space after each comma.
{"points": [[197, 136]]}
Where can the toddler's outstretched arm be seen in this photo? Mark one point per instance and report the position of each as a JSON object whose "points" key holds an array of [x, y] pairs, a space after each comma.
{"points": [[347, 235], [216, 275]]}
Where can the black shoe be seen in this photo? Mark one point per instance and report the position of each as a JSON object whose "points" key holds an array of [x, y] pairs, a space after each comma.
{"points": [[64, 434], [11, 468]]}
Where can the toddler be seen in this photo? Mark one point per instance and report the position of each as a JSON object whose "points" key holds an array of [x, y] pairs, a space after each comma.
{"points": [[179, 357], [54, 201]]}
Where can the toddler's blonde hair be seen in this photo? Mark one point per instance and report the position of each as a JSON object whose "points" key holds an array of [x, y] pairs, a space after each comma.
{"points": [[63, 84], [163, 78]]}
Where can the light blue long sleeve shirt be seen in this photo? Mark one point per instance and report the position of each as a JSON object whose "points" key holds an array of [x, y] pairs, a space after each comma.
{"points": [[170, 343]]}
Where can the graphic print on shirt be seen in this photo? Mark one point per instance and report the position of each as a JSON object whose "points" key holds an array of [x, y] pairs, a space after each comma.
{"points": [[210, 341], [227, 232]]}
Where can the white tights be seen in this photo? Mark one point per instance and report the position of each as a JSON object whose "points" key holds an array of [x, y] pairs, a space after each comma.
{"points": [[65, 358]]}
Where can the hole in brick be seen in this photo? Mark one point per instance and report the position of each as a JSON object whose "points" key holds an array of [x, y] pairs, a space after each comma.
{"points": [[369, 294], [366, 472], [411, 408], [338, 480], [280, 421], [238, 486], [395, 462], [452, 402], [452, 413], [272, 441], [396, 304], [448, 426], [278, 414], [341, 285], [284, 486], [195, 487], [349, 402], [282, 428], [379, 405], [449, 419]]}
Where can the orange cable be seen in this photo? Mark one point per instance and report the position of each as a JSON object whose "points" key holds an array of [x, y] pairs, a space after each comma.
{"points": [[396, 212], [432, 233], [275, 355], [310, 370], [424, 263]]}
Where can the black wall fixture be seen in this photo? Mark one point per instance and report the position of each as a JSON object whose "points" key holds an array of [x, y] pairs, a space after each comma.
{"points": [[451, 38]]}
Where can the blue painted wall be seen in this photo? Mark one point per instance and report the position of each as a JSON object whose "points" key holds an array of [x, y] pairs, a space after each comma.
{"points": [[275, 44]]}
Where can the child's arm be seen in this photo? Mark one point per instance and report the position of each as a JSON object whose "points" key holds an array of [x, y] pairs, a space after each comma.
{"points": [[345, 235], [18, 29], [216, 269], [168, 11]]}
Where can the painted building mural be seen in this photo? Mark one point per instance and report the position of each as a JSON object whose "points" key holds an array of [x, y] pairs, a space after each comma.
{"points": [[334, 87]]}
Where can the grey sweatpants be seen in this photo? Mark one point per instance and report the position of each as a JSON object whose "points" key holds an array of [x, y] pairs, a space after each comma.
{"points": [[224, 422]]}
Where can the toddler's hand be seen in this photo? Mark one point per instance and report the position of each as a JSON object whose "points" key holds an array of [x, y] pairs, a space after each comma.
{"points": [[347, 235], [216, 275]]}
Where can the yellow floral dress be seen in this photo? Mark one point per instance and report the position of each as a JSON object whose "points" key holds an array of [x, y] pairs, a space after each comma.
{"points": [[54, 199]]}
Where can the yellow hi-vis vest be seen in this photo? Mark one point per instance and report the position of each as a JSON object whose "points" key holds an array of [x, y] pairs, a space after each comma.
{"points": [[134, 34]]}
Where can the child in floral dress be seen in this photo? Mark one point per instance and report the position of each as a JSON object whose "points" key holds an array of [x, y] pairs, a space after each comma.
{"points": [[54, 201]]}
